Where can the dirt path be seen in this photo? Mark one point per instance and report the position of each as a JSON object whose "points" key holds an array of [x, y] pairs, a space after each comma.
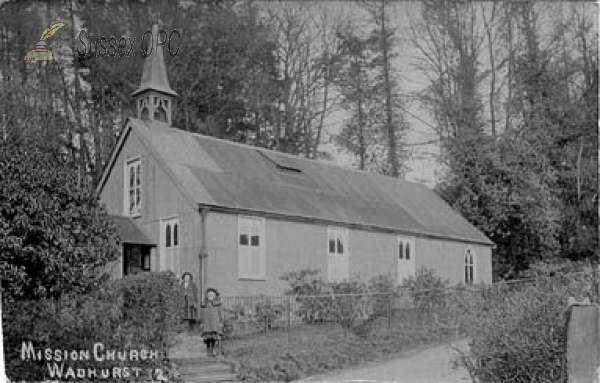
{"points": [[433, 365]]}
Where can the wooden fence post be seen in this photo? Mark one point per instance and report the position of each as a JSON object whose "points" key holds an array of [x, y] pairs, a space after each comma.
{"points": [[583, 341]]}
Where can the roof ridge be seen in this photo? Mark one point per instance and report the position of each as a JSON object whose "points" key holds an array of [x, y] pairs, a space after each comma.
{"points": [[292, 156]]}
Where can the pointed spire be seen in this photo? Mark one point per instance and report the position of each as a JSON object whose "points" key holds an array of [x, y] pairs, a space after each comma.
{"points": [[154, 75]]}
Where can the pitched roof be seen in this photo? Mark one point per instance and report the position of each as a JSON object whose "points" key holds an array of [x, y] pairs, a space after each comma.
{"points": [[154, 73], [129, 232], [226, 174]]}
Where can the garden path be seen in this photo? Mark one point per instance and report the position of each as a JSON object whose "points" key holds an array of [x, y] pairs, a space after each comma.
{"points": [[432, 365], [192, 362]]}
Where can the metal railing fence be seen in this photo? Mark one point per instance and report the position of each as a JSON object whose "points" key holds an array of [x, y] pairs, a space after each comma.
{"points": [[247, 319]]}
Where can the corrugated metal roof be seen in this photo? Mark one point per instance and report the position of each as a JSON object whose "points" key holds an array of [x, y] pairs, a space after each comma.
{"points": [[231, 175], [129, 232]]}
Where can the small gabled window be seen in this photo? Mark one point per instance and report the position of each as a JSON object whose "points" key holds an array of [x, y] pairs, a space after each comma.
{"points": [[133, 187]]}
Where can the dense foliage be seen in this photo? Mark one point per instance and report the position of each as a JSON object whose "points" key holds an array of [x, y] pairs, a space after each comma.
{"points": [[350, 303], [137, 313], [516, 114], [55, 237], [519, 335]]}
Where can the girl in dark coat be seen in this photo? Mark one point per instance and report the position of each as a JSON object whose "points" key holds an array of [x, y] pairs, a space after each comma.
{"points": [[189, 298], [211, 320]]}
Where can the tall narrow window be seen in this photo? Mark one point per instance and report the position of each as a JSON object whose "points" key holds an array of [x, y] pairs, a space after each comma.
{"points": [[175, 234], [469, 268], [405, 248], [133, 187], [168, 236], [169, 245], [406, 258], [251, 248]]}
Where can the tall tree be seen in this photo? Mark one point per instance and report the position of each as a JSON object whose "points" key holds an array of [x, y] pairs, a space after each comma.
{"points": [[558, 110], [489, 181], [354, 83], [390, 109], [307, 52]]}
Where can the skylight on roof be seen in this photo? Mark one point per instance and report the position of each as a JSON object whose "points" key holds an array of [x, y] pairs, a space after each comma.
{"points": [[288, 169], [282, 163]]}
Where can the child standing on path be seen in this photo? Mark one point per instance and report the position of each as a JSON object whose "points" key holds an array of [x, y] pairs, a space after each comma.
{"points": [[189, 298], [211, 320]]}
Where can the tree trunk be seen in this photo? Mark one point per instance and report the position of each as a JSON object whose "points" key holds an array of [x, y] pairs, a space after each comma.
{"points": [[389, 112]]}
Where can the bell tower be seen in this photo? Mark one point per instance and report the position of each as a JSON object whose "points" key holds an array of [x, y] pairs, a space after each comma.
{"points": [[154, 98]]}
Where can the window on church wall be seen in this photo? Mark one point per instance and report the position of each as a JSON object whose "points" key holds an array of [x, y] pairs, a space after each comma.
{"points": [[168, 236], [133, 187], [251, 248], [405, 248], [469, 268], [175, 235]]}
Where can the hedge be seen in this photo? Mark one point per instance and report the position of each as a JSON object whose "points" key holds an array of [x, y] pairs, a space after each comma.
{"points": [[134, 313]]}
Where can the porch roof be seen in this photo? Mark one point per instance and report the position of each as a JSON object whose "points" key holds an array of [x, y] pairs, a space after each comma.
{"points": [[129, 232]]}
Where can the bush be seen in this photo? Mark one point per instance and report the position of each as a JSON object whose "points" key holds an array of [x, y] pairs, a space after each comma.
{"points": [[520, 336], [305, 284], [427, 289], [267, 314], [133, 314], [151, 302], [348, 302], [54, 235], [382, 303]]}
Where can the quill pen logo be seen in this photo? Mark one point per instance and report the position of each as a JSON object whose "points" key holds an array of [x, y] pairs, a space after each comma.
{"points": [[41, 52]]}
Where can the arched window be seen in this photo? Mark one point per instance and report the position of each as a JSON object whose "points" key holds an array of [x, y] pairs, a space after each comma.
{"points": [[175, 234], [401, 249], [469, 268], [168, 236], [407, 251]]}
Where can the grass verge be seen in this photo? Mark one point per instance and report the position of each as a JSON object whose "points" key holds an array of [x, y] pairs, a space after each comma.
{"points": [[318, 349]]}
